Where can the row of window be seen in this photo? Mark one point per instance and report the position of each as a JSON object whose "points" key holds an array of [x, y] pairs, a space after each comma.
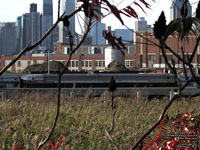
{"points": [[73, 63], [87, 63], [129, 63]]}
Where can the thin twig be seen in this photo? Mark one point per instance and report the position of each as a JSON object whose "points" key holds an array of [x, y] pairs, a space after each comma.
{"points": [[59, 84], [29, 47], [160, 118], [111, 139], [59, 88], [58, 8]]}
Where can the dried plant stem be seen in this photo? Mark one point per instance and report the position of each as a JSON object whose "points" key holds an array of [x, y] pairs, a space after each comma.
{"points": [[111, 139]]}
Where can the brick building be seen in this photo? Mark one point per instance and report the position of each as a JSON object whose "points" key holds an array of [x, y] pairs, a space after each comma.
{"points": [[89, 58], [149, 55]]}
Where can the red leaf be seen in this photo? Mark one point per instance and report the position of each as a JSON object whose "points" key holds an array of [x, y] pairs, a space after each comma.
{"points": [[16, 146], [139, 6], [115, 11], [51, 144], [145, 3], [57, 144], [131, 12]]}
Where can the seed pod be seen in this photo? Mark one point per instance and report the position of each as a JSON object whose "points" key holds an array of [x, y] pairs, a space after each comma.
{"points": [[160, 26]]}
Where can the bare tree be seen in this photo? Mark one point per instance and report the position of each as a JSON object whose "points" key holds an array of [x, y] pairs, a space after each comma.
{"points": [[182, 28], [90, 11]]}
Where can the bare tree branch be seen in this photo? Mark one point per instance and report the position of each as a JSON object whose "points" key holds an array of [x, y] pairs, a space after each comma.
{"points": [[58, 8], [111, 139], [59, 84], [160, 118], [30, 47]]}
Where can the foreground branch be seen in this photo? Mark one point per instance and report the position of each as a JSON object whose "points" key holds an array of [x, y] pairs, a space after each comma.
{"points": [[111, 139], [160, 118], [59, 85]]}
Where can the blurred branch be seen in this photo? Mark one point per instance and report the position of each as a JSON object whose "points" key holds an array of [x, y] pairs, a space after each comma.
{"points": [[58, 8], [111, 139], [160, 118], [30, 47], [59, 82]]}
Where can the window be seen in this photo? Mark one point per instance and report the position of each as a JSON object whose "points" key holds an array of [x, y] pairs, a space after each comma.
{"points": [[16, 64], [7, 62], [90, 63], [31, 62], [95, 50], [129, 63], [24, 63], [65, 50], [40, 61], [151, 57], [74, 63], [87, 63], [141, 60], [96, 63], [99, 63]]}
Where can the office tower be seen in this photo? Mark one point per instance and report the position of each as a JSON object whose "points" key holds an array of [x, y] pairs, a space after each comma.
{"points": [[141, 25], [47, 22], [67, 6], [18, 34], [95, 36], [33, 8], [7, 39], [176, 7], [47, 8], [125, 34], [35, 24], [25, 30]]}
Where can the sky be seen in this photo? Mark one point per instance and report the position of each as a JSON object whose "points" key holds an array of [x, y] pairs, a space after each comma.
{"points": [[11, 9]]}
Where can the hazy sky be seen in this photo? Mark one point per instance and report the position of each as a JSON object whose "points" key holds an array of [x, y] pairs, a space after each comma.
{"points": [[10, 9]]}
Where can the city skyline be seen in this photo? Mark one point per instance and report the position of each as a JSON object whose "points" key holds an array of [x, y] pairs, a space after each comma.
{"points": [[7, 15]]}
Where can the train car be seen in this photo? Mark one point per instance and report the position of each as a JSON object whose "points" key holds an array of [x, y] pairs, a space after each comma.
{"points": [[98, 80]]}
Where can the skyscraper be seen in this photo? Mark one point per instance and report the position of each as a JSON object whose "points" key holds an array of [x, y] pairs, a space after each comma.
{"points": [[141, 25], [47, 8], [25, 30], [67, 6], [18, 33], [33, 8], [95, 34], [176, 7], [125, 34], [7, 39], [35, 24], [47, 22]]}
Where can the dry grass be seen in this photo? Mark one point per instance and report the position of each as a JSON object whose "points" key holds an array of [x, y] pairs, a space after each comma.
{"points": [[27, 118]]}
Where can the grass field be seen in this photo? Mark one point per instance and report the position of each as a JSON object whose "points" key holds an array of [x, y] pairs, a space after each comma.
{"points": [[27, 119]]}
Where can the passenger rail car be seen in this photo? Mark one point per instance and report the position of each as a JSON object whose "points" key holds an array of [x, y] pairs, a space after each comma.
{"points": [[97, 80]]}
